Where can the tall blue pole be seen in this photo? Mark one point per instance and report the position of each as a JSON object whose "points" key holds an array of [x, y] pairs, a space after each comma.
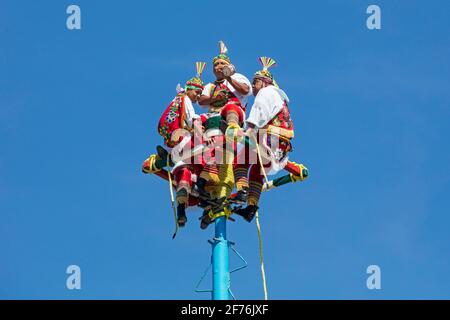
{"points": [[220, 262]]}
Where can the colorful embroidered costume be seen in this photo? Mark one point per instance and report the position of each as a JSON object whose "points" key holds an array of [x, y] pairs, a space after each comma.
{"points": [[234, 101], [270, 116], [229, 111], [176, 126]]}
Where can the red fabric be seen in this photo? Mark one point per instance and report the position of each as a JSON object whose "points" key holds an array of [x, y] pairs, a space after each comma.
{"points": [[184, 173], [283, 119], [233, 106], [221, 87], [282, 144], [196, 159], [256, 173], [172, 119]]}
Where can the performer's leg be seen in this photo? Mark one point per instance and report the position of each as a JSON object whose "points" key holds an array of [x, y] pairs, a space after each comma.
{"points": [[158, 161], [233, 114], [244, 159], [241, 167], [209, 176], [232, 118], [241, 176], [183, 178], [254, 194], [153, 164], [210, 172]]}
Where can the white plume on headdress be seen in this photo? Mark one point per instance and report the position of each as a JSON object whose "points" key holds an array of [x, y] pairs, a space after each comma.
{"points": [[223, 49], [179, 88]]}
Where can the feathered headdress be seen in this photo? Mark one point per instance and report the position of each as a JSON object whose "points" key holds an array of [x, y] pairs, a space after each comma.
{"points": [[196, 82], [265, 74], [223, 53]]}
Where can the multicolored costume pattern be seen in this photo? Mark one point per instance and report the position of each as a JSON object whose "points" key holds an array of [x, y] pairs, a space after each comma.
{"points": [[269, 117]]}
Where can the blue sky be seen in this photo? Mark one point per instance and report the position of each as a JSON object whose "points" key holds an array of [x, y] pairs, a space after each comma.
{"points": [[78, 115]]}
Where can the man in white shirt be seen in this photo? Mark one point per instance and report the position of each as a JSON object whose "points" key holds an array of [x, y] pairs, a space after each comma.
{"points": [[226, 100], [269, 113], [229, 88]]}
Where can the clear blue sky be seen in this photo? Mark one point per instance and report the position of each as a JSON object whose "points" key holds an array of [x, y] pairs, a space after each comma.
{"points": [[78, 115]]}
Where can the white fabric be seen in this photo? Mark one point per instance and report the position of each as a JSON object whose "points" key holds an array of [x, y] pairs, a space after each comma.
{"points": [[278, 158], [238, 77], [190, 112], [268, 103], [176, 151], [182, 151]]}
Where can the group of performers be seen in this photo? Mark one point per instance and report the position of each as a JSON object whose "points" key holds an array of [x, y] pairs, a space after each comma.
{"points": [[255, 145]]}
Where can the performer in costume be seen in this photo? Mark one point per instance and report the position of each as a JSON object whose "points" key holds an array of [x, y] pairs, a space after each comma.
{"points": [[226, 100], [270, 117], [180, 114]]}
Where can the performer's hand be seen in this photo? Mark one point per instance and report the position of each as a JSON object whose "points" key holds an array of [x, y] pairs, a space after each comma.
{"points": [[220, 96], [240, 87], [198, 129]]}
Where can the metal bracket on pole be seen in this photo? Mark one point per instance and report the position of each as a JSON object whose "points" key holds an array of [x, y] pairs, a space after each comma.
{"points": [[201, 279], [245, 265], [231, 245]]}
